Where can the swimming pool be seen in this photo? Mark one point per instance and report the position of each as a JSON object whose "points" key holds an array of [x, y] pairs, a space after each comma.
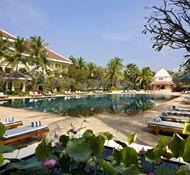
{"points": [[90, 104]]}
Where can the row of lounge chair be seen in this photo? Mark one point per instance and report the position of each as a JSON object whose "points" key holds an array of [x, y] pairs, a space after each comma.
{"points": [[15, 131], [3, 96], [186, 100], [37, 94], [171, 120]]}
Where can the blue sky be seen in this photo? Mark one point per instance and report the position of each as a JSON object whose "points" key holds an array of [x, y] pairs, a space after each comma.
{"points": [[96, 30]]}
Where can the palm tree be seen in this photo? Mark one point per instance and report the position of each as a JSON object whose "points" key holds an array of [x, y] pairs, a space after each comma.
{"points": [[39, 53], [4, 47], [145, 77], [80, 63], [91, 67], [17, 54], [131, 74], [114, 68]]}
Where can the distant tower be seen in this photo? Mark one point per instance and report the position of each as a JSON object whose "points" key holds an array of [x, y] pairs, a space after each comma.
{"points": [[162, 81]]}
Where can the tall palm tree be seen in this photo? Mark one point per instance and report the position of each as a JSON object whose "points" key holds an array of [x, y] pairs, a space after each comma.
{"points": [[17, 54], [91, 67], [39, 53], [80, 63], [145, 77], [114, 68], [4, 47], [131, 74]]}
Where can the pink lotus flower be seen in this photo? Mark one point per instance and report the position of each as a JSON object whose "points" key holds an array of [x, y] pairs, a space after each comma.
{"points": [[151, 174], [142, 151], [74, 131], [50, 163], [56, 135]]}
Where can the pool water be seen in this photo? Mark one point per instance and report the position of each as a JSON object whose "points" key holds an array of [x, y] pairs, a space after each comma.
{"points": [[90, 104]]}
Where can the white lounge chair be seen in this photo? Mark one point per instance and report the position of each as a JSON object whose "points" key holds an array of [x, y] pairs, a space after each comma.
{"points": [[165, 126], [3, 96], [23, 132], [10, 123]]}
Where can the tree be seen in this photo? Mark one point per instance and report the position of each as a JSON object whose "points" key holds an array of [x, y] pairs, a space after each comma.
{"points": [[131, 74], [114, 68], [169, 25], [18, 54], [39, 54], [145, 77]]}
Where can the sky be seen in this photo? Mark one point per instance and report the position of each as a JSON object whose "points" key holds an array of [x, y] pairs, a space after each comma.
{"points": [[96, 30]]}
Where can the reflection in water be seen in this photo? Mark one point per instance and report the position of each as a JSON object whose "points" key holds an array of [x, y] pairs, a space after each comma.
{"points": [[88, 105]]}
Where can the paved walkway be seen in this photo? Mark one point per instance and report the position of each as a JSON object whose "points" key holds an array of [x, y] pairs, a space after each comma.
{"points": [[120, 126]]}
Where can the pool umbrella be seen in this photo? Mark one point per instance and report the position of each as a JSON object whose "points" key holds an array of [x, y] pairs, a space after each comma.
{"points": [[43, 84], [183, 78]]}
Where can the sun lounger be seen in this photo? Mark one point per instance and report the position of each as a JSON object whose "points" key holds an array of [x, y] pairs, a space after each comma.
{"points": [[186, 100], [178, 113], [3, 96], [165, 126], [14, 124], [23, 132], [175, 108], [173, 118]]}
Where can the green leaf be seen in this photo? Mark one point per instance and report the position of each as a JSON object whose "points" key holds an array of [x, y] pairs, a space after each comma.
{"points": [[177, 145], [79, 150], [131, 139], [106, 135], [130, 170], [6, 149], [129, 156], [186, 152], [43, 150], [24, 164], [108, 167], [64, 140], [151, 156], [1, 159], [183, 170], [2, 130], [165, 170]]}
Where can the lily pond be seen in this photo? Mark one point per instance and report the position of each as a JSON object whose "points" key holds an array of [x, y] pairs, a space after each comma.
{"points": [[90, 104]]}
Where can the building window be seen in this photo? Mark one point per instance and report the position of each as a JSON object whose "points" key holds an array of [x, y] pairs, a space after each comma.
{"points": [[160, 78]]}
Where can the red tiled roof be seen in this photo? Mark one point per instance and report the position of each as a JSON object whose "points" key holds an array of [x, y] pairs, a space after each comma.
{"points": [[6, 35], [51, 54], [162, 83]]}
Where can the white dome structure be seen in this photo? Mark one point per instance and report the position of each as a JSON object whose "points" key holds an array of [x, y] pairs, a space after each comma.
{"points": [[162, 81], [162, 73]]}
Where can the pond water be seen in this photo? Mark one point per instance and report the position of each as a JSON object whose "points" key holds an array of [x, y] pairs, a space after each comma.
{"points": [[90, 104]]}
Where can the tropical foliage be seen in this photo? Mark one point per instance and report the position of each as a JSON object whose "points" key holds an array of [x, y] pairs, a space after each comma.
{"points": [[168, 26], [83, 152]]}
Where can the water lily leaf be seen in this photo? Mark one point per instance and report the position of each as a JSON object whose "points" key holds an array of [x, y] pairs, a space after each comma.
{"points": [[151, 156], [1, 159], [6, 149], [165, 171], [25, 164], [129, 156], [177, 145], [183, 170], [106, 135], [108, 167], [131, 139], [2, 130], [43, 150], [186, 152], [79, 150], [64, 139], [130, 170]]}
